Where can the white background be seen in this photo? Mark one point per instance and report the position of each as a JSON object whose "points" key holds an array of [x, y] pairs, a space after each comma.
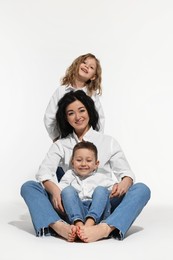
{"points": [[133, 39]]}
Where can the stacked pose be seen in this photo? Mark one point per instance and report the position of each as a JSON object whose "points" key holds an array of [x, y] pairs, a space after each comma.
{"points": [[84, 73], [78, 121]]}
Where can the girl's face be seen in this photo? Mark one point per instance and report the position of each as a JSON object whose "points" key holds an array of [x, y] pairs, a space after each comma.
{"points": [[84, 162], [77, 117], [87, 69]]}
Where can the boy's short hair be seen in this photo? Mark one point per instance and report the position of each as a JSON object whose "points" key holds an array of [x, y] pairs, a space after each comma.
{"points": [[85, 145]]}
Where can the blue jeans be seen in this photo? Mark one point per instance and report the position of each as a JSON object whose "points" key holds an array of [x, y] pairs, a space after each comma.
{"points": [[124, 210], [98, 208]]}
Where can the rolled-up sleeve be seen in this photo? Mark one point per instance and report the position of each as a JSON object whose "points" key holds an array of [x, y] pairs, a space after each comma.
{"points": [[48, 167]]}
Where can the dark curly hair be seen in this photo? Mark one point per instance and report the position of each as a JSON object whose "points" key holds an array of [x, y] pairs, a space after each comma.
{"points": [[64, 127]]}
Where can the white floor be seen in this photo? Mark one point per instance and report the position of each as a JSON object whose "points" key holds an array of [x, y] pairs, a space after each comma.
{"points": [[150, 237]]}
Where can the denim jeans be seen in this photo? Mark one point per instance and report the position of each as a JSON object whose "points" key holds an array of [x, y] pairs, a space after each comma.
{"points": [[124, 210], [98, 208]]}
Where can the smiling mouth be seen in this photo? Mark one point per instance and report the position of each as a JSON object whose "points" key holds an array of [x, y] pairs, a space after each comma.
{"points": [[79, 122], [84, 70]]}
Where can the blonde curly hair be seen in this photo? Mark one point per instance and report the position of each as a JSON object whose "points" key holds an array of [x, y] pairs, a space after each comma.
{"points": [[72, 70]]}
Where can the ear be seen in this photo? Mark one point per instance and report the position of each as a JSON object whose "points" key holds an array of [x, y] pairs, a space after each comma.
{"points": [[72, 162], [93, 78], [97, 164]]}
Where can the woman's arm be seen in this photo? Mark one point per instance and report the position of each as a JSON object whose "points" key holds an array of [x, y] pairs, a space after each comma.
{"points": [[99, 108], [48, 167], [119, 163], [50, 116]]}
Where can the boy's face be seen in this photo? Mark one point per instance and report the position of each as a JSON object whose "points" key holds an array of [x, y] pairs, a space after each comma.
{"points": [[84, 162]]}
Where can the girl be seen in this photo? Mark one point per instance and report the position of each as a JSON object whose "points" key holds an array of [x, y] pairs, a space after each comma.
{"points": [[78, 121], [84, 73]]}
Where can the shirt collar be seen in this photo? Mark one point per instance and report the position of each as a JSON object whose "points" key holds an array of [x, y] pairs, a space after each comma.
{"points": [[70, 87], [86, 136]]}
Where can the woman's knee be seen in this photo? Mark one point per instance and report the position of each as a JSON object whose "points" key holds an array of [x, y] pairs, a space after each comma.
{"points": [[143, 189], [28, 186]]}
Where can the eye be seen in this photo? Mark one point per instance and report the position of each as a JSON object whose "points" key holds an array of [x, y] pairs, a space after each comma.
{"points": [[70, 113], [82, 110]]}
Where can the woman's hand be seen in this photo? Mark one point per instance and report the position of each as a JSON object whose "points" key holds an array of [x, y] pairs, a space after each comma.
{"points": [[57, 202], [55, 193], [121, 188]]}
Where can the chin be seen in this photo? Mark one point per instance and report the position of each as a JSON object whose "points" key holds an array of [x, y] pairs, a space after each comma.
{"points": [[80, 127]]}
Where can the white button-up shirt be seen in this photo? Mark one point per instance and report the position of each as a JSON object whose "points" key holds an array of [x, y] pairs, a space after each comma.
{"points": [[110, 155], [50, 113], [86, 185]]}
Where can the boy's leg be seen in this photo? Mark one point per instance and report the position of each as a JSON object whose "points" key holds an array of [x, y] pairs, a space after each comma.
{"points": [[99, 203], [72, 204]]}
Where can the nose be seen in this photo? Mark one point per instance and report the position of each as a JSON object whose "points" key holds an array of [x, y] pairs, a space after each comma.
{"points": [[86, 65], [83, 163], [77, 116]]}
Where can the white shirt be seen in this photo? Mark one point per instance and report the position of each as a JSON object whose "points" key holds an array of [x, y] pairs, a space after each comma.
{"points": [[50, 113], [86, 186], [111, 157]]}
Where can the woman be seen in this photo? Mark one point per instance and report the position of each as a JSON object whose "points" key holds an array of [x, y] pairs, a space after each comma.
{"points": [[78, 120]]}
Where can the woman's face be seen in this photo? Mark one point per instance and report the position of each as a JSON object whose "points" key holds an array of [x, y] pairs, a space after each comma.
{"points": [[77, 117]]}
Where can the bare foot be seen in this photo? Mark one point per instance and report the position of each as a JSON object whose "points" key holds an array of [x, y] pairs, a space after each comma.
{"points": [[78, 233], [65, 230], [79, 223], [72, 235], [93, 233], [90, 222]]}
